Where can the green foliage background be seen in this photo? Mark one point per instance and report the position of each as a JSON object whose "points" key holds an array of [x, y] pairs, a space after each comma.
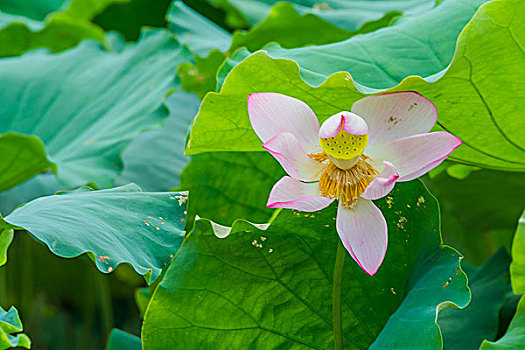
{"points": [[112, 109]]}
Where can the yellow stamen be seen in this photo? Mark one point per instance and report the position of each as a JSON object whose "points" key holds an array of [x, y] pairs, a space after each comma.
{"points": [[344, 184]]}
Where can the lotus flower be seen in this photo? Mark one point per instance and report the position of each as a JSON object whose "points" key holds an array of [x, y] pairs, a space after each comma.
{"points": [[354, 157]]}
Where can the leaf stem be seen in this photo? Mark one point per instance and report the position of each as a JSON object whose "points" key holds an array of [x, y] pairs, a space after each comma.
{"points": [[336, 296]]}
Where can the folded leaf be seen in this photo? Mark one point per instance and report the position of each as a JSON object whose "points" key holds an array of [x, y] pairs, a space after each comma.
{"points": [[120, 225], [22, 158]]}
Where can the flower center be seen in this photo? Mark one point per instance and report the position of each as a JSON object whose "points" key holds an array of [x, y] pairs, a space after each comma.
{"points": [[344, 184], [344, 145]]}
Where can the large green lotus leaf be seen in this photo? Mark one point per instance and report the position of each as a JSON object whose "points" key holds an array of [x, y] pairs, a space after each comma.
{"points": [[10, 330], [466, 329], [54, 24], [120, 225], [494, 196], [349, 15], [155, 159], [120, 340], [87, 104], [471, 103], [225, 186], [517, 268], [22, 158], [470, 98], [271, 287], [422, 44], [514, 338]]}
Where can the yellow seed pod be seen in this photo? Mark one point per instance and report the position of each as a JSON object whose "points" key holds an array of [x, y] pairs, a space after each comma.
{"points": [[344, 145]]}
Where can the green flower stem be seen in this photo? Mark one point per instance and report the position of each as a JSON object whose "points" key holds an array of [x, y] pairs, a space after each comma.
{"points": [[336, 296]]}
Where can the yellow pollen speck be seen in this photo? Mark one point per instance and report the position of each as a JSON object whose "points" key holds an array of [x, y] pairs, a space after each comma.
{"points": [[345, 185], [401, 222]]}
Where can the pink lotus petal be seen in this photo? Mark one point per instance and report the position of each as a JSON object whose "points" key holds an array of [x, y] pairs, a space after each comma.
{"points": [[363, 232], [382, 184], [351, 123], [271, 114], [288, 151], [415, 155], [395, 115], [293, 194]]}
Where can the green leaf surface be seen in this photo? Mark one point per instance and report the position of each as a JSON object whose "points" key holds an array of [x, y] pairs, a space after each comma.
{"points": [[290, 29], [283, 25], [38, 186], [6, 237], [10, 330], [60, 32], [225, 186], [31, 12], [201, 77], [196, 31], [54, 24], [422, 44], [271, 287], [517, 268], [154, 160], [142, 298], [87, 104], [22, 158], [222, 123], [478, 215], [129, 18], [489, 126], [120, 340], [466, 329], [34, 12], [120, 225], [514, 337], [87, 9], [349, 15], [471, 103]]}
